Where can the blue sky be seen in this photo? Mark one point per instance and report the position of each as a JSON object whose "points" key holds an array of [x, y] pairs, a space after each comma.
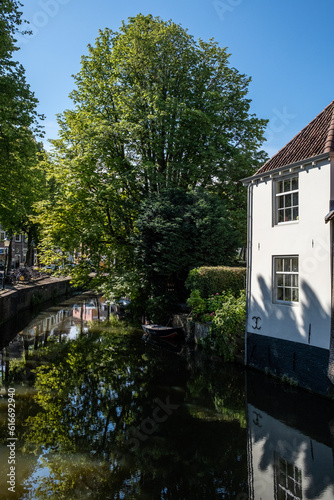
{"points": [[285, 46]]}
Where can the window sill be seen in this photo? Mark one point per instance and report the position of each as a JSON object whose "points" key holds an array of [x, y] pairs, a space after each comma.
{"points": [[285, 303], [287, 223]]}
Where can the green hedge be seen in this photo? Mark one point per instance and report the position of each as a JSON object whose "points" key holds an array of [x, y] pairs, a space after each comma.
{"points": [[212, 280]]}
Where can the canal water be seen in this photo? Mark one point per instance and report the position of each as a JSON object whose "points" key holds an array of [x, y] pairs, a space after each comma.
{"points": [[92, 411]]}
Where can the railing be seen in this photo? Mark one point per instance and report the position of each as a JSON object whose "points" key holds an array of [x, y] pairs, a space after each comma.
{"points": [[25, 275]]}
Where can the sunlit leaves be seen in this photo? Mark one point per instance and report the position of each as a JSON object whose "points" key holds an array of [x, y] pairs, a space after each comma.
{"points": [[19, 125]]}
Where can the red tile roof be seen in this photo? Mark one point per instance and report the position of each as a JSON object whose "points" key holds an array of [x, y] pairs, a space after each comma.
{"points": [[316, 138]]}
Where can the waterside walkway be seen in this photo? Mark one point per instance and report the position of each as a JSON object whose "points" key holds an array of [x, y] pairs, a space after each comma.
{"points": [[16, 298]]}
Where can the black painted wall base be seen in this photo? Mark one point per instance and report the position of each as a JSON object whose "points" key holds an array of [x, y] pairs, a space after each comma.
{"points": [[303, 363]]}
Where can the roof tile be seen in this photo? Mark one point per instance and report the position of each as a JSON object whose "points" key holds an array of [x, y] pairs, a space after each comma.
{"points": [[316, 138]]}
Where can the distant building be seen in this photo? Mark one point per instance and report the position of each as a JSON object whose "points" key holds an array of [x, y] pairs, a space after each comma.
{"points": [[290, 323], [19, 249]]}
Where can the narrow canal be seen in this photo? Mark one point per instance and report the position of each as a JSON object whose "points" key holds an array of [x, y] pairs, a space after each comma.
{"points": [[95, 412]]}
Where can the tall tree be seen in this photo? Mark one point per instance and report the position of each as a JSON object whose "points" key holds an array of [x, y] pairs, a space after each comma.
{"points": [[19, 127], [153, 109], [170, 107]]}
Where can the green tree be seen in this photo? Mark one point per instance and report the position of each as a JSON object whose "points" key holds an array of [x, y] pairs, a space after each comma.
{"points": [[177, 231], [153, 109], [19, 127]]}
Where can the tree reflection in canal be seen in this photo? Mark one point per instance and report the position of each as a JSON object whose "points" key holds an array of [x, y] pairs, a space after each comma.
{"points": [[109, 417], [100, 414]]}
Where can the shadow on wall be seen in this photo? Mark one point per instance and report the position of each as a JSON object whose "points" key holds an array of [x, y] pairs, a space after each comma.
{"points": [[291, 440], [277, 344], [266, 317]]}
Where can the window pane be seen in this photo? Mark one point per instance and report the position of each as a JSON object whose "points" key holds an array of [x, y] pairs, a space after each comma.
{"points": [[280, 294], [294, 183], [287, 280], [280, 280], [295, 295], [279, 265], [295, 280], [280, 202], [294, 261], [290, 468], [287, 215], [287, 265], [295, 214], [281, 494], [281, 216], [286, 198], [291, 485], [298, 491], [295, 199], [287, 294]]}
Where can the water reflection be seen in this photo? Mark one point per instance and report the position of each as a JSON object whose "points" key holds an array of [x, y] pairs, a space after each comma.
{"points": [[102, 414], [290, 443]]}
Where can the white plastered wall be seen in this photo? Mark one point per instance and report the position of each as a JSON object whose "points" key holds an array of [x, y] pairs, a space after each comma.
{"points": [[269, 439], [309, 320]]}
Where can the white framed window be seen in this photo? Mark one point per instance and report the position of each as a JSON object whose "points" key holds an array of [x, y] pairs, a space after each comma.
{"points": [[286, 279], [17, 238], [287, 200], [2, 235], [288, 480]]}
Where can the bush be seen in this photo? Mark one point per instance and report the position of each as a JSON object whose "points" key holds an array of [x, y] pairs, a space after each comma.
{"points": [[210, 280], [226, 334], [204, 309]]}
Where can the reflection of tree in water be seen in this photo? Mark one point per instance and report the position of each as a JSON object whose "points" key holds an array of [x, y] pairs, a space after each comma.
{"points": [[98, 389]]}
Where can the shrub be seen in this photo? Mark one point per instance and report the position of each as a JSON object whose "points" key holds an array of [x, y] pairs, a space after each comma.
{"points": [[197, 304], [204, 309], [228, 327], [210, 280]]}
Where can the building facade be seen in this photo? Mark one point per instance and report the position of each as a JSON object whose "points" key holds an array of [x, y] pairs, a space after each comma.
{"points": [[290, 259], [290, 448], [19, 249]]}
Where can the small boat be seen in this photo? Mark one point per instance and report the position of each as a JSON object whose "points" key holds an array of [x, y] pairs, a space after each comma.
{"points": [[162, 332]]}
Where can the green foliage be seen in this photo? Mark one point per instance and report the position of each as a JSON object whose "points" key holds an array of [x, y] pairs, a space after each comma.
{"points": [[154, 109], [91, 396], [197, 303], [20, 178], [159, 308], [204, 310], [210, 280], [176, 231], [228, 327]]}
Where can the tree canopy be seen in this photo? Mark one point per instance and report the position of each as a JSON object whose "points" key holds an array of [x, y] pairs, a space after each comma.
{"points": [[19, 129], [159, 109], [177, 231], [153, 109]]}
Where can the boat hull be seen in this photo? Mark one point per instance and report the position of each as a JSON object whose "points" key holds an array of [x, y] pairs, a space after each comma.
{"points": [[162, 332]]}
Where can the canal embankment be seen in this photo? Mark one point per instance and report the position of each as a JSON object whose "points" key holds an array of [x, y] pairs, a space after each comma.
{"points": [[20, 297]]}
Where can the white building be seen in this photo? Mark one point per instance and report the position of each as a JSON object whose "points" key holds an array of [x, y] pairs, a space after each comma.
{"points": [[290, 448], [289, 282]]}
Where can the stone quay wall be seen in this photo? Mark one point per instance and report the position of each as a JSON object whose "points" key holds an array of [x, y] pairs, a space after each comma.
{"points": [[21, 297], [194, 331]]}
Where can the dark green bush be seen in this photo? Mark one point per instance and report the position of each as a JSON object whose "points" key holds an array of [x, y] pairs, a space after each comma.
{"points": [[227, 332], [211, 280]]}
